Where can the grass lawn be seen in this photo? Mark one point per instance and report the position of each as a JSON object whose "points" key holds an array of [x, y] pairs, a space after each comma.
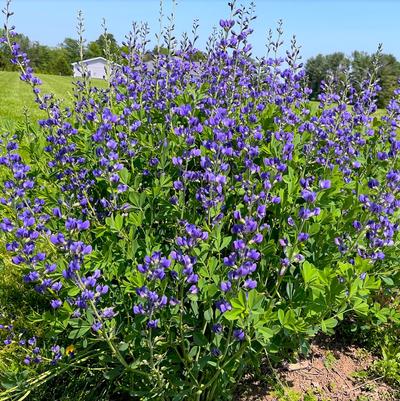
{"points": [[378, 114], [15, 95]]}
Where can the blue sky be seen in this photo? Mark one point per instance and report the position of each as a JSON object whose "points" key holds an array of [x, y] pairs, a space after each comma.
{"points": [[321, 26]]}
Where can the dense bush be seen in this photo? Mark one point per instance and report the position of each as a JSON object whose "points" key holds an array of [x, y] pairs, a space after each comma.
{"points": [[192, 218]]}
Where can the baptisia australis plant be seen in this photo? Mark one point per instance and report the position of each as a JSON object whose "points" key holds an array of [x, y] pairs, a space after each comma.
{"points": [[197, 214]]}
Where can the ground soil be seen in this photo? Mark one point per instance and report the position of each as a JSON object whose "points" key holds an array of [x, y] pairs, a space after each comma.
{"points": [[329, 373]]}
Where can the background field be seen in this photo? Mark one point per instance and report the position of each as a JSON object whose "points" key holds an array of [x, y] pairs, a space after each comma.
{"points": [[15, 95]]}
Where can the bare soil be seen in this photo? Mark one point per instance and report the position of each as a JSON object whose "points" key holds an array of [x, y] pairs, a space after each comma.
{"points": [[329, 373]]}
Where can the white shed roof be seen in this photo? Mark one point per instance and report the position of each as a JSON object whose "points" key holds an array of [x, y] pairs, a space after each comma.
{"points": [[89, 60]]}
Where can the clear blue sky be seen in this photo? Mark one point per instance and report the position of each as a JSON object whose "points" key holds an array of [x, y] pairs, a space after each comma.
{"points": [[321, 26]]}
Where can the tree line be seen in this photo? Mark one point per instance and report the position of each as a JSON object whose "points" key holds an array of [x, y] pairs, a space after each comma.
{"points": [[57, 60], [356, 68]]}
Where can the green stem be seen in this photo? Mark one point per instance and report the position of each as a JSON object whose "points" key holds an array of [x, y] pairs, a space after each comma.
{"points": [[220, 369], [104, 333]]}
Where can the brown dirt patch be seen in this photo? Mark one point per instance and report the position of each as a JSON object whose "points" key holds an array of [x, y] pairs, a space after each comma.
{"points": [[328, 374]]}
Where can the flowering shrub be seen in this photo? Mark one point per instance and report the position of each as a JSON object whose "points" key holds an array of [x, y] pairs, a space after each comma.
{"points": [[195, 216]]}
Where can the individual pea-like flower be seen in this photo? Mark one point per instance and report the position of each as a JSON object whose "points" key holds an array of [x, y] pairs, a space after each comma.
{"points": [[96, 326], [223, 306], [302, 237], [108, 313], [56, 354], [226, 286], [258, 238], [8, 341], [239, 334], [56, 303], [57, 212], [239, 244], [325, 184], [308, 196], [226, 24], [250, 284], [153, 323], [217, 328], [216, 352]]}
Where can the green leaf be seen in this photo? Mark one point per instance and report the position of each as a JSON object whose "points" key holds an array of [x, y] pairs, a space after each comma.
{"points": [[388, 281], [327, 325], [124, 174], [233, 314], [281, 316], [208, 315], [136, 218], [77, 333], [225, 242], [110, 222], [308, 272], [119, 222], [254, 300], [290, 319], [123, 346], [200, 339], [239, 303], [74, 291], [266, 332], [210, 290], [361, 307], [113, 373], [314, 228]]}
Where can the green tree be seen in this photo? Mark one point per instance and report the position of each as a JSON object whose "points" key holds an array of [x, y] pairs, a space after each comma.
{"points": [[60, 63], [318, 68], [72, 49], [40, 57], [388, 75], [98, 47]]}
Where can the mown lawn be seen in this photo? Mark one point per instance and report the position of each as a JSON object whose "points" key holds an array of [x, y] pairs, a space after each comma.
{"points": [[16, 95]]}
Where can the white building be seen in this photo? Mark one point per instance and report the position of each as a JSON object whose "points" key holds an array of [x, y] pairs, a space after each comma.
{"points": [[96, 67]]}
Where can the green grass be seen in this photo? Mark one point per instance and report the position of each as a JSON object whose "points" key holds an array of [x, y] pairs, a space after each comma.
{"points": [[15, 95], [314, 107]]}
